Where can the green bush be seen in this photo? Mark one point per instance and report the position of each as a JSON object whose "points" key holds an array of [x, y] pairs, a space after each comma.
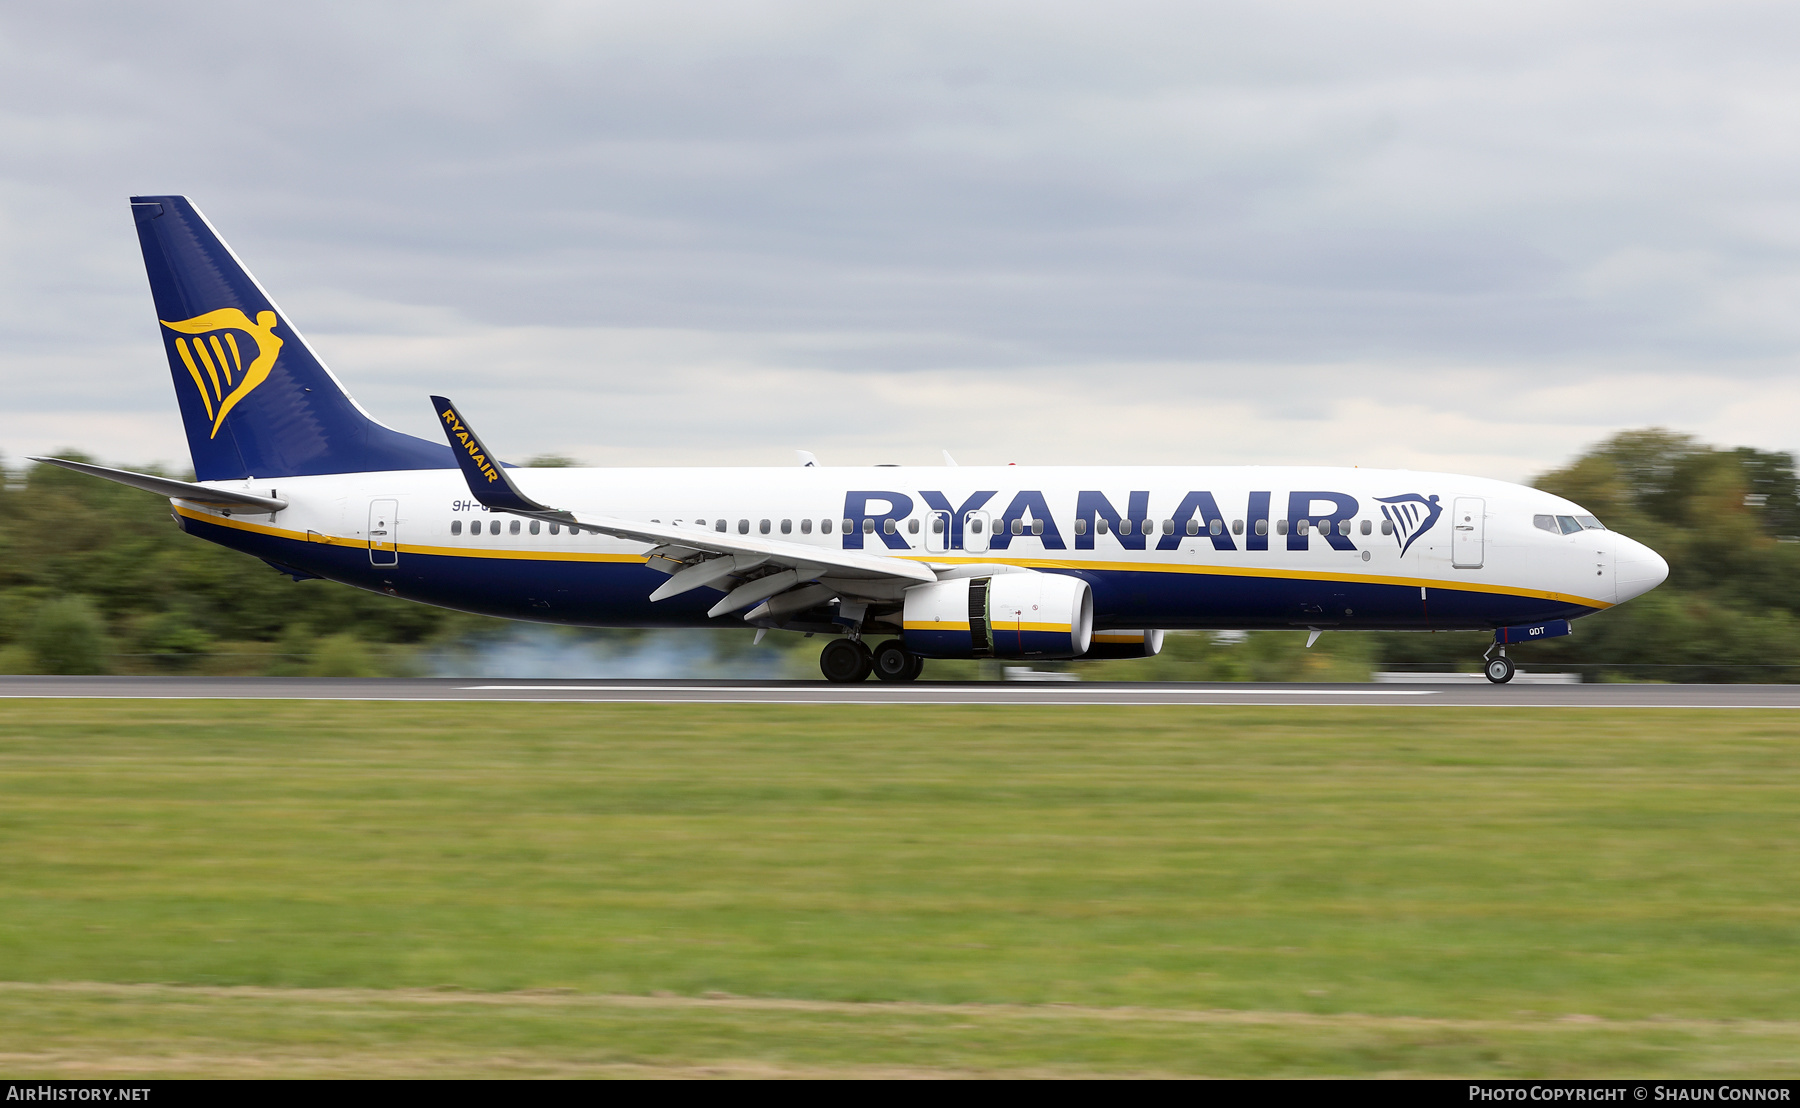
{"points": [[68, 636]]}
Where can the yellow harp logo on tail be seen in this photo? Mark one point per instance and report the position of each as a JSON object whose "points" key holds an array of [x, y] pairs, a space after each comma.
{"points": [[215, 359]]}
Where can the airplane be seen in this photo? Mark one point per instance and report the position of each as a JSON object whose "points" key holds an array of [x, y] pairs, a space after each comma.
{"points": [[1007, 562]]}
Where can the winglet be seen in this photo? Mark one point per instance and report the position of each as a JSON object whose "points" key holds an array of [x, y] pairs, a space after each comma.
{"points": [[487, 480]]}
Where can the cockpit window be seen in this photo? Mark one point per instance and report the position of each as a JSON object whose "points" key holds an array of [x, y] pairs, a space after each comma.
{"points": [[1566, 525]]}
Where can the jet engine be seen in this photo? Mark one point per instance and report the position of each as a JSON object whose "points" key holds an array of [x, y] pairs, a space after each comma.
{"points": [[1008, 615]]}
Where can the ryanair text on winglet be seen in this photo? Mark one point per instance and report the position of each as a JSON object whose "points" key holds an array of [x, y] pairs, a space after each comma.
{"points": [[455, 424]]}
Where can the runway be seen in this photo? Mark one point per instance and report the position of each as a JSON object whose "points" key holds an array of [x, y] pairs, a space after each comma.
{"points": [[1477, 693]]}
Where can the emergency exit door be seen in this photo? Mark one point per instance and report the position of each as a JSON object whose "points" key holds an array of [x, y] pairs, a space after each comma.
{"points": [[1465, 532], [975, 531], [384, 532]]}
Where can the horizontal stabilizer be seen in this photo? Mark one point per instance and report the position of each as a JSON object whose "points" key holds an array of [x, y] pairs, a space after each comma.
{"points": [[178, 490]]}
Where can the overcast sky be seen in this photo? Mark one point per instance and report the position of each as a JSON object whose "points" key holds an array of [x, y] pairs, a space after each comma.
{"points": [[1470, 237]]}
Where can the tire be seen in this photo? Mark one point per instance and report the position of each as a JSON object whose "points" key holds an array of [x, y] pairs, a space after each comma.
{"points": [[918, 667], [893, 663], [845, 662], [1500, 670]]}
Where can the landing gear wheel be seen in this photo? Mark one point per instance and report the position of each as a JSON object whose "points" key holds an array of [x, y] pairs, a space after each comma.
{"points": [[1499, 669], [845, 661], [893, 663]]}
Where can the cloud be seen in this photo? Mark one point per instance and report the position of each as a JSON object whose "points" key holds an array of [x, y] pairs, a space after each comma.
{"points": [[1467, 238]]}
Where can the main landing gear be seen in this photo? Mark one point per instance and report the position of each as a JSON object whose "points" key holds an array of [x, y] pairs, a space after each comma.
{"points": [[846, 661], [894, 663]]}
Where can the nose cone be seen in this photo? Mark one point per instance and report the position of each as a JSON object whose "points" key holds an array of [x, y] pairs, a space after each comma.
{"points": [[1637, 568]]}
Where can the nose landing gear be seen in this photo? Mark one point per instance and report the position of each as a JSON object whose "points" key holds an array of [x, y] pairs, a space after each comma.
{"points": [[1498, 667]]}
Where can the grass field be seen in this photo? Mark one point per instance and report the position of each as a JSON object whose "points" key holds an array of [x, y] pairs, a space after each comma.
{"points": [[219, 888]]}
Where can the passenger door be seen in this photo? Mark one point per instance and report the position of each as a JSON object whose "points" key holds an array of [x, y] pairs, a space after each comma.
{"points": [[1466, 532], [384, 532]]}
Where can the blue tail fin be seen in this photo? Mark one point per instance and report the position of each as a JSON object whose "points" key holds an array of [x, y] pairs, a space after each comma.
{"points": [[255, 399]]}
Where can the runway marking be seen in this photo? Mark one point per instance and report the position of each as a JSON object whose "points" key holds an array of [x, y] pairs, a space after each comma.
{"points": [[851, 689]]}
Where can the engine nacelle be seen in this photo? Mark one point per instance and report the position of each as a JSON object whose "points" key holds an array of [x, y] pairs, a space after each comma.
{"points": [[1124, 644], [1008, 615]]}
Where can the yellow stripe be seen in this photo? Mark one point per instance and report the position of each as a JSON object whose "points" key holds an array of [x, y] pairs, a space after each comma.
{"points": [[219, 350], [206, 360], [194, 370], [1280, 574], [1027, 563], [946, 625], [1009, 625], [404, 548]]}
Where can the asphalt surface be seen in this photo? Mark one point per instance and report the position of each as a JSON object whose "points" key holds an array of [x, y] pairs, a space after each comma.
{"points": [[1475, 693]]}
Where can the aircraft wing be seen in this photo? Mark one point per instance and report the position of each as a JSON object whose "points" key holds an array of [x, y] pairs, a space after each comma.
{"points": [[748, 569]]}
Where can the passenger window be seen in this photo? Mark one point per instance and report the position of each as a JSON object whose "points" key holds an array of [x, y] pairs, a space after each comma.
{"points": [[787, 526], [1193, 526], [1262, 526], [824, 527], [763, 527], [493, 527], [535, 525], [1365, 527], [719, 525], [556, 528], [1281, 527], [1343, 527], [1081, 527], [975, 526], [1237, 526], [513, 528], [1168, 527], [1037, 526], [887, 526], [1125, 526], [1100, 526], [912, 526], [1018, 527], [1569, 526], [868, 526], [1217, 527], [1302, 526], [1387, 526], [806, 527], [456, 527], [937, 525]]}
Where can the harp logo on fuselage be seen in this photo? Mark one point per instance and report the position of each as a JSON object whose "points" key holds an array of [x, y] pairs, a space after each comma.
{"points": [[224, 371], [1412, 515]]}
